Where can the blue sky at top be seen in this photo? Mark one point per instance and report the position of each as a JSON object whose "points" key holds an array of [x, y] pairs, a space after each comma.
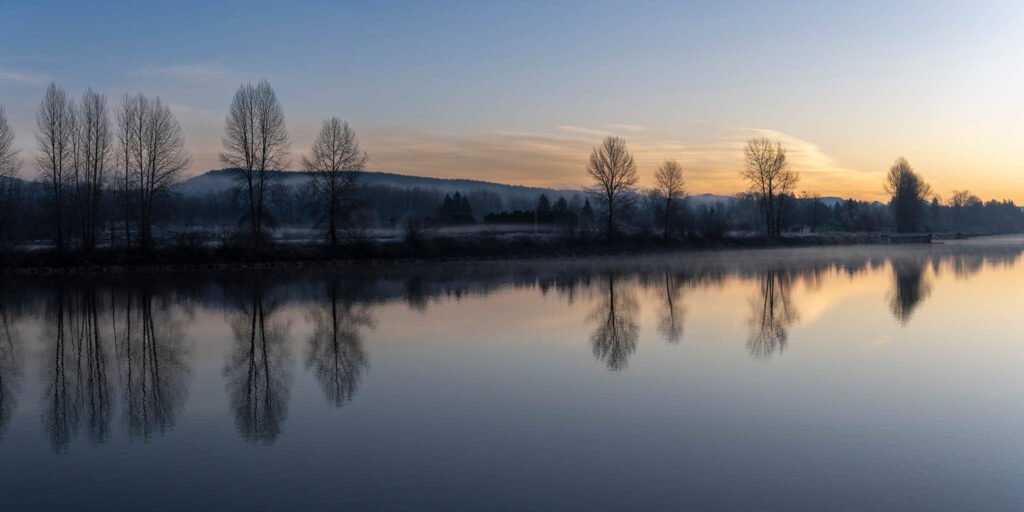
{"points": [[519, 91]]}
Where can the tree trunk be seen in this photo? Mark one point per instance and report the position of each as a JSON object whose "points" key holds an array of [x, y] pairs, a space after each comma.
{"points": [[668, 212], [611, 218], [58, 212], [332, 222], [127, 210]]}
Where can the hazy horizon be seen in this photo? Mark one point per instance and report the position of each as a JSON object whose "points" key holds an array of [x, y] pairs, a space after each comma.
{"points": [[520, 94]]}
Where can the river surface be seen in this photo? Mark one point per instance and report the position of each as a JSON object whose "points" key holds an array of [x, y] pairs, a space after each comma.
{"points": [[857, 378]]}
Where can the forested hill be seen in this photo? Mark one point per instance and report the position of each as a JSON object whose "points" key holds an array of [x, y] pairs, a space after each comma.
{"points": [[224, 179], [219, 180]]}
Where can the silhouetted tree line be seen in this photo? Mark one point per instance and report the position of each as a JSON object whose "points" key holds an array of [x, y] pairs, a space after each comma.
{"points": [[107, 176], [562, 215], [384, 206], [771, 204]]}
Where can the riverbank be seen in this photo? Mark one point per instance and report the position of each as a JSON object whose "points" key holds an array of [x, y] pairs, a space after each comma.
{"points": [[465, 248]]}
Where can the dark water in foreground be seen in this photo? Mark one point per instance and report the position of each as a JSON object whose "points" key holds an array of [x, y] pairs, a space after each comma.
{"points": [[808, 379]]}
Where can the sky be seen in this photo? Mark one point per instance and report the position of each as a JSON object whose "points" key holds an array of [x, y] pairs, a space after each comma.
{"points": [[520, 92]]}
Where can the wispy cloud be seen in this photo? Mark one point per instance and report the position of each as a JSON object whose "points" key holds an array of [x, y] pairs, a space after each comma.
{"points": [[585, 131], [202, 73], [628, 128], [512, 157], [22, 77], [822, 172], [712, 161]]}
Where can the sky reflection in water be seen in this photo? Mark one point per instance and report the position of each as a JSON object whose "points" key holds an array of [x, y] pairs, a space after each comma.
{"points": [[884, 377]]}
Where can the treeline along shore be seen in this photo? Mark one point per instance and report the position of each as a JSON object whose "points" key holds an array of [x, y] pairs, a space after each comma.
{"points": [[108, 190]]}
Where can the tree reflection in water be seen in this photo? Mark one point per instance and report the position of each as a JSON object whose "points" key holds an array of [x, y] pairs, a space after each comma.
{"points": [[257, 371], [78, 385], [152, 363], [771, 314], [617, 331], [336, 353], [10, 367], [910, 287], [673, 316], [110, 342]]}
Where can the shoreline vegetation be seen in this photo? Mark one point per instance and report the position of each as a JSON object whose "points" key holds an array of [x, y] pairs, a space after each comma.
{"points": [[109, 190], [370, 252]]}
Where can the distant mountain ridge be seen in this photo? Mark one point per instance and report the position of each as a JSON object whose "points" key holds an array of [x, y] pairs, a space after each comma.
{"points": [[219, 180], [224, 179]]}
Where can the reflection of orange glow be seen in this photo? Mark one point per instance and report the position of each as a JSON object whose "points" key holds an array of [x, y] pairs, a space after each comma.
{"points": [[833, 307]]}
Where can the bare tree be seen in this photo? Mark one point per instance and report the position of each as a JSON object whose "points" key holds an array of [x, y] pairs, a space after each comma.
{"points": [[55, 128], [334, 164], [336, 354], [127, 143], [814, 207], [255, 142], [257, 371], [772, 313], [770, 180], [617, 332], [94, 148], [11, 366], [613, 170], [908, 191], [962, 199], [164, 145], [9, 161], [672, 319], [9, 165], [414, 230], [152, 146], [671, 187], [77, 379], [151, 360], [960, 203]]}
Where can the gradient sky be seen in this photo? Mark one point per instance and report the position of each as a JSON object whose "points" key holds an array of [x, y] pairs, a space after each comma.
{"points": [[519, 92]]}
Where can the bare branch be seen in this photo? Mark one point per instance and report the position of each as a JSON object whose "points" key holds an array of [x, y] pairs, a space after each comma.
{"points": [[613, 170], [770, 179], [255, 142], [334, 163]]}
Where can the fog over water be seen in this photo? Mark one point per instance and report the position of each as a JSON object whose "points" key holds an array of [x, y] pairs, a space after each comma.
{"points": [[885, 377]]}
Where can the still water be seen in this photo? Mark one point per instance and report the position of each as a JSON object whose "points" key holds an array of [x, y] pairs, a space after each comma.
{"points": [[863, 378]]}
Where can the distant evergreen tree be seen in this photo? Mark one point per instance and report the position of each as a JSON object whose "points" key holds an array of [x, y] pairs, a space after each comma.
{"points": [[564, 218], [561, 205], [936, 215], [560, 210], [544, 210], [455, 210], [587, 216], [446, 206], [713, 224]]}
